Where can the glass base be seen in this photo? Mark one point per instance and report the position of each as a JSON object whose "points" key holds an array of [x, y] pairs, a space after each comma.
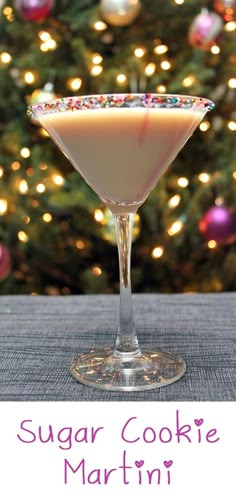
{"points": [[151, 369]]}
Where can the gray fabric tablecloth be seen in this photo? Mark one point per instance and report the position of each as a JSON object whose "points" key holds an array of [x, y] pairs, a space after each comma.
{"points": [[40, 335]]}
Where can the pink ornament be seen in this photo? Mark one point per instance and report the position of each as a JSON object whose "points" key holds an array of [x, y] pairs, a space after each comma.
{"points": [[226, 8], [5, 262], [205, 30], [219, 224], [34, 10]]}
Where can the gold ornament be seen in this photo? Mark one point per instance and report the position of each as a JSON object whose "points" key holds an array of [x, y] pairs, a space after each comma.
{"points": [[120, 12]]}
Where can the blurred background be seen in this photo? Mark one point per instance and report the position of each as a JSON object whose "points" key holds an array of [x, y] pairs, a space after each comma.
{"points": [[56, 237]]}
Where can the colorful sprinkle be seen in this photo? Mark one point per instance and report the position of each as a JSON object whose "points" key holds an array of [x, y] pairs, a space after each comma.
{"points": [[75, 103]]}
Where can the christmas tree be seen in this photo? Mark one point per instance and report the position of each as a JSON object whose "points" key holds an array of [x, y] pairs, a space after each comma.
{"points": [[56, 236]]}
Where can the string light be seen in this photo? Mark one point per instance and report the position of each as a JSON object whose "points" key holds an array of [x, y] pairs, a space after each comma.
{"points": [[5, 58], [23, 186], [160, 49], [150, 69], [100, 26], [139, 52], [47, 217], [97, 271], [8, 12], [44, 47], [51, 44], [80, 244], [1, 171], [215, 49], [3, 206], [15, 166], [232, 125], [232, 83], [30, 172], [188, 81], [96, 70], [121, 79], [165, 65], [98, 215], [219, 201], [43, 166], [204, 126], [29, 77], [58, 180], [27, 219], [22, 236], [48, 43], [161, 88], [97, 58], [183, 182], [204, 177], [40, 188], [157, 252], [44, 35], [175, 228], [212, 244], [234, 175], [179, 2], [174, 201], [229, 13], [230, 26], [25, 152]]}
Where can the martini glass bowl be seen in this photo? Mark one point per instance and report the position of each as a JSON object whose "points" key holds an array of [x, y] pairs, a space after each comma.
{"points": [[121, 144]]}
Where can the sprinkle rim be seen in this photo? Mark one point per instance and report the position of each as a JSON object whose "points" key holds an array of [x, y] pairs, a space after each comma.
{"points": [[119, 100]]}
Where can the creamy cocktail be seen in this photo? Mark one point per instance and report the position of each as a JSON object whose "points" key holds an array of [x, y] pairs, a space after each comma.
{"points": [[121, 145], [122, 152]]}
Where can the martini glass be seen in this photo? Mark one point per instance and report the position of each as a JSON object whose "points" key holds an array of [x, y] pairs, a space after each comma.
{"points": [[121, 144]]}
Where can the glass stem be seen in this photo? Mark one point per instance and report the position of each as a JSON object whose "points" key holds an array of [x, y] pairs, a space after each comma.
{"points": [[126, 342]]}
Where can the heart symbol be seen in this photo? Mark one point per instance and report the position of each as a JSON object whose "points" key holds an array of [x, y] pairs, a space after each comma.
{"points": [[198, 422], [139, 464], [168, 464]]}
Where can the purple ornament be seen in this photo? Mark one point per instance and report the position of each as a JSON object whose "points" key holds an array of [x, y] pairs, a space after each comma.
{"points": [[219, 224], [205, 30], [34, 10], [5, 262]]}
